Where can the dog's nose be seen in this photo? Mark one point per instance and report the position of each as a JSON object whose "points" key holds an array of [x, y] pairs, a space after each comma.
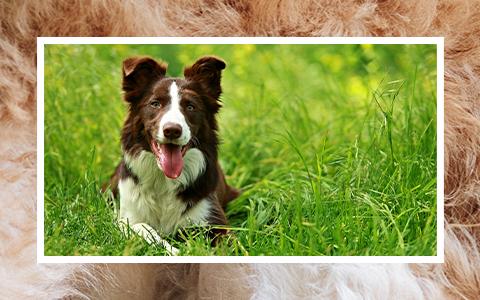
{"points": [[172, 130]]}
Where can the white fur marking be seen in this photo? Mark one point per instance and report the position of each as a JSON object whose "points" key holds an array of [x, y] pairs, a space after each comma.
{"points": [[153, 200], [174, 115]]}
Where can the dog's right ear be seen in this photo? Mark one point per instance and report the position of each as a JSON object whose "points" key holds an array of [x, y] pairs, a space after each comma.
{"points": [[138, 74]]}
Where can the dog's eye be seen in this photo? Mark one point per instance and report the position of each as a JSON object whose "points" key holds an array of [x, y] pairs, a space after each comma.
{"points": [[155, 104], [190, 107]]}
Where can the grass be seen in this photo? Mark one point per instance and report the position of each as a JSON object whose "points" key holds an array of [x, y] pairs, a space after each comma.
{"points": [[334, 147]]}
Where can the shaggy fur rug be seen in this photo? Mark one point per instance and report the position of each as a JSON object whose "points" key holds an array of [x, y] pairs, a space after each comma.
{"points": [[23, 20]]}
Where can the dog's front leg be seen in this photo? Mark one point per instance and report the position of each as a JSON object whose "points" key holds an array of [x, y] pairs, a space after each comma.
{"points": [[149, 234]]}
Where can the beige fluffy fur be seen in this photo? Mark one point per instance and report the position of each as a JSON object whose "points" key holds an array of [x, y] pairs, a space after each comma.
{"points": [[21, 21]]}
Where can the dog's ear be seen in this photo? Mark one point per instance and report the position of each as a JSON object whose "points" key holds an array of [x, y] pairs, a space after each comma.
{"points": [[138, 74], [207, 71]]}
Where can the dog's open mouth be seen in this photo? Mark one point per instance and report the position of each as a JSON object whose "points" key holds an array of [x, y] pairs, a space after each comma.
{"points": [[169, 158]]}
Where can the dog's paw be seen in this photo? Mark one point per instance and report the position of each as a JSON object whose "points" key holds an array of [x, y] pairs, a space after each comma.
{"points": [[172, 251], [150, 235], [147, 233]]}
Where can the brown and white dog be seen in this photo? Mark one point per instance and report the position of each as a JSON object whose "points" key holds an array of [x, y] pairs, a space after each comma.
{"points": [[169, 176]]}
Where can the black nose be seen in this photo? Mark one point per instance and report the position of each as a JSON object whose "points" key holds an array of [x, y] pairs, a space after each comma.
{"points": [[172, 131]]}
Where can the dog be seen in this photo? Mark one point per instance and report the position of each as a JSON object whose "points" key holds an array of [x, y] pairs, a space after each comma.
{"points": [[169, 176]]}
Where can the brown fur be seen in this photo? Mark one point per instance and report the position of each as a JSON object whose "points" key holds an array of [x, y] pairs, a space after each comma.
{"points": [[21, 21]]}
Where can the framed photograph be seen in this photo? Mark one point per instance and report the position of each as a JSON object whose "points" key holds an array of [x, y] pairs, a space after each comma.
{"points": [[237, 150]]}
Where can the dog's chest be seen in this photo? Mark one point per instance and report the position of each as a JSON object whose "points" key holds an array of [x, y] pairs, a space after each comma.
{"points": [[152, 199]]}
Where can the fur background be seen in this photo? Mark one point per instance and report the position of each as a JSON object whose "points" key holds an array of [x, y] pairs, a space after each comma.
{"points": [[22, 21]]}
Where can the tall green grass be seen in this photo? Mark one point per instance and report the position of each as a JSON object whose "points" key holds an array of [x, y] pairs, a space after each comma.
{"points": [[334, 147]]}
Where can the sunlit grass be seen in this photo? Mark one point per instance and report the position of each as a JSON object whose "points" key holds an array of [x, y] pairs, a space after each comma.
{"points": [[334, 148]]}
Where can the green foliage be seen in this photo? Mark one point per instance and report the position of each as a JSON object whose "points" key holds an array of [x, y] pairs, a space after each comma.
{"points": [[334, 147]]}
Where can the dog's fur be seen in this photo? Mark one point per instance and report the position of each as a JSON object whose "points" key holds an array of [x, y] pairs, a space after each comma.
{"points": [[161, 191], [458, 21]]}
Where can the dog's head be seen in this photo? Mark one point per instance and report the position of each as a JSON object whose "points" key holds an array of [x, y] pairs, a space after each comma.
{"points": [[171, 115]]}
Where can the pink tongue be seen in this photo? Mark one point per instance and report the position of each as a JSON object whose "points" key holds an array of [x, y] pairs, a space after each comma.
{"points": [[171, 160]]}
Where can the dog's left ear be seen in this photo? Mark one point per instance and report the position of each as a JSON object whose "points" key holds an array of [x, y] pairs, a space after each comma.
{"points": [[207, 71], [138, 74]]}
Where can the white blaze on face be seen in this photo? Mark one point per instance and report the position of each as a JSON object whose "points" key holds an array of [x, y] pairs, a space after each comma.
{"points": [[174, 115]]}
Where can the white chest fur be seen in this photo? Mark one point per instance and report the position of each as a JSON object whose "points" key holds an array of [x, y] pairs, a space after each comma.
{"points": [[153, 199]]}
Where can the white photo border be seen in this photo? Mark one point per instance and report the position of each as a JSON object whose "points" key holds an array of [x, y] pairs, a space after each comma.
{"points": [[42, 41]]}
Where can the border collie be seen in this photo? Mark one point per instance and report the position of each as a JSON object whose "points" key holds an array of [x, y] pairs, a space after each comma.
{"points": [[169, 176]]}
